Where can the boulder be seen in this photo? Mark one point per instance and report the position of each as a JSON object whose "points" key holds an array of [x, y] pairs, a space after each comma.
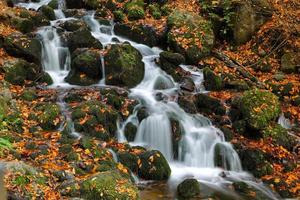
{"points": [[48, 12], [144, 34], [153, 166], [92, 118], [190, 35], [82, 38], [73, 25], [19, 70], [22, 46], [169, 62], [130, 131], [189, 188], [259, 108], [108, 185], [48, 116], [123, 66], [129, 160], [135, 9], [86, 67], [290, 62], [209, 105]]}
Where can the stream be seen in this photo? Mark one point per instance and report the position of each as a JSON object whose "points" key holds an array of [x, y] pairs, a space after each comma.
{"points": [[197, 149]]}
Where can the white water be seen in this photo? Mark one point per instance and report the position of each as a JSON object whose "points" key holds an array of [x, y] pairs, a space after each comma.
{"points": [[200, 139]]}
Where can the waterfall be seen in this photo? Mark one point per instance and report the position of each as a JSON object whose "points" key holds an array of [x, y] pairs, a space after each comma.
{"points": [[203, 152]]}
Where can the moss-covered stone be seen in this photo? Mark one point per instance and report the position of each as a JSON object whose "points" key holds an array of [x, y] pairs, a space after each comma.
{"points": [[49, 118], [123, 65], [170, 62], [279, 136], [93, 118], [48, 12], [154, 11], [130, 131], [290, 62], [189, 188], [29, 95], [129, 160], [259, 108], [135, 9], [108, 185], [53, 4], [19, 45], [119, 15], [190, 35], [73, 25], [85, 67], [207, 104], [211, 80], [154, 166]]}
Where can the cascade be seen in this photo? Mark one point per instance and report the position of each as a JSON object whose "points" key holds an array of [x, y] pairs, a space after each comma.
{"points": [[200, 141]]}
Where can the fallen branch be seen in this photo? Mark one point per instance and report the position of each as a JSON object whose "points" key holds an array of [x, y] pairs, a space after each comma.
{"points": [[240, 68]]}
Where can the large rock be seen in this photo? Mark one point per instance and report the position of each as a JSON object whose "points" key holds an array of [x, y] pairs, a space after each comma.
{"points": [[169, 62], [190, 34], [211, 80], [135, 9], [237, 20], [123, 65], [259, 108], [82, 38], [189, 188], [108, 185], [86, 67], [73, 25], [139, 33], [208, 104], [22, 46], [48, 116], [17, 71], [154, 166]]}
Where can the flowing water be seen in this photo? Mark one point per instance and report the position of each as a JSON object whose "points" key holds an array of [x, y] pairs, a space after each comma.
{"points": [[201, 141]]}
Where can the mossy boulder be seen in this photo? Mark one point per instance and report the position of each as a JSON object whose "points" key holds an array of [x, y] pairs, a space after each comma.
{"points": [[108, 185], [135, 9], [48, 12], [123, 66], [169, 62], [280, 136], [259, 108], [94, 118], [189, 188], [144, 34], [85, 67], [254, 161], [211, 80], [48, 116], [290, 62], [24, 25], [208, 104], [246, 191], [82, 38], [22, 46], [129, 160], [130, 131], [53, 4], [190, 35], [19, 70], [29, 95], [154, 166]]}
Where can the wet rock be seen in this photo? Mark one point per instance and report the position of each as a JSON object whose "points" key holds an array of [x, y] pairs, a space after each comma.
{"points": [[77, 13], [290, 62], [129, 160], [85, 68], [154, 166], [169, 62], [188, 84], [144, 34], [209, 104], [211, 80], [187, 103], [19, 45], [108, 185], [163, 83], [142, 114], [123, 66], [184, 42], [176, 136], [75, 4], [48, 12], [92, 118], [189, 188], [130, 131], [247, 191], [82, 38], [73, 25], [254, 161], [259, 108], [17, 71], [53, 4]]}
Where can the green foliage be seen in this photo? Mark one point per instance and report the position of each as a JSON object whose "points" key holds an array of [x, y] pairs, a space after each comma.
{"points": [[135, 13], [119, 15]]}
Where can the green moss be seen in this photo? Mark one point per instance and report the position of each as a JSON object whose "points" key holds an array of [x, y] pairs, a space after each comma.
{"points": [[29, 95], [135, 13], [107, 185], [279, 136], [154, 11], [119, 15], [259, 108], [53, 4], [49, 116], [189, 188], [48, 12], [211, 80]]}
